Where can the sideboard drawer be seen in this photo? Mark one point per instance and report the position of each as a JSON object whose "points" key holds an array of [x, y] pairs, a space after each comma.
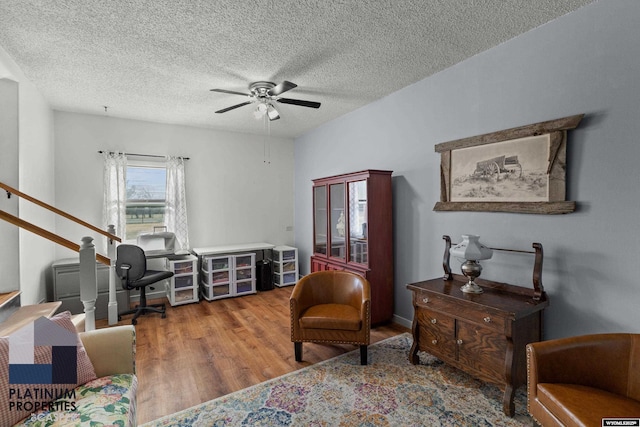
{"points": [[436, 321], [483, 317], [437, 333]]}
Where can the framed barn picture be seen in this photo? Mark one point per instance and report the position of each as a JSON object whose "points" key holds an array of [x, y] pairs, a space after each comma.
{"points": [[515, 170]]}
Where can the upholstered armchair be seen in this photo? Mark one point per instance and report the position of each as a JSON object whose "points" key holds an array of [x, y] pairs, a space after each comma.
{"points": [[331, 307], [578, 381]]}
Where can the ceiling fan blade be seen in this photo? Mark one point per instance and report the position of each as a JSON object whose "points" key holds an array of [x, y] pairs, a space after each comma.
{"points": [[281, 88], [229, 91], [233, 107], [300, 102]]}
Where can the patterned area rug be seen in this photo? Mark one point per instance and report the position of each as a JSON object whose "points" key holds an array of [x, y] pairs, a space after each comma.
{"points": [[390, 391]]}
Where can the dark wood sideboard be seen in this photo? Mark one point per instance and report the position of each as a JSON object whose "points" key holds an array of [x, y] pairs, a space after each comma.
{"points": [[483, 334]]}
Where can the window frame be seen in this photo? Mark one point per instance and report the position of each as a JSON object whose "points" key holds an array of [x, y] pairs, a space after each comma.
{"points": [[142, 164]]}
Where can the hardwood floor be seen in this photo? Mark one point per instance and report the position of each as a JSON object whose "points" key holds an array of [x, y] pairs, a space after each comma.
{"points": [[206, 350]]}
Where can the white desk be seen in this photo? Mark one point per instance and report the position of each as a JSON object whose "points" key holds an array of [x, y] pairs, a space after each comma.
{"points": [[225, 249]]}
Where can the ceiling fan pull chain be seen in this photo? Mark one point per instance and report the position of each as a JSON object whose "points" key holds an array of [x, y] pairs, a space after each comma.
{"points": [[266, 141]]}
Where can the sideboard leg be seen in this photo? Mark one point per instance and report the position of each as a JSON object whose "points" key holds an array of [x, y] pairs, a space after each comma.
{"points": [[508, 406], [413, 352]]}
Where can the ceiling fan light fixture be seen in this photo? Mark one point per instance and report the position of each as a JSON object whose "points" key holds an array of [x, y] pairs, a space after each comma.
{"points": [[272, 113], [265, 94], [260, 110]]}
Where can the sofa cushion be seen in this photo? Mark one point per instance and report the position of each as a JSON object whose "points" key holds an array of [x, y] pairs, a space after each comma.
{"points": [[108, 401], [19, 400], [575, 404], [331, 316]]}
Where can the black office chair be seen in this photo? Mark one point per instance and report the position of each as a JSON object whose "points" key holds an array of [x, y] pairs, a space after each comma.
{"points": [[131, 267]]}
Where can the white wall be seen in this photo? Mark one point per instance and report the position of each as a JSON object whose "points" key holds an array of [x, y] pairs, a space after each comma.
{"points": [[9, 256], [35, 164], [233, 196], [585, 62]]}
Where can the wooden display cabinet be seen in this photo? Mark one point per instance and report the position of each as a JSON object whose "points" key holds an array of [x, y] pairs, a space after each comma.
{"points": [[483, 334], [353, 231]]}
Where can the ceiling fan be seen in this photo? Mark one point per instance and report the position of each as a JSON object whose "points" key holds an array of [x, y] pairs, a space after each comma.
{"points": [[265, 94]]}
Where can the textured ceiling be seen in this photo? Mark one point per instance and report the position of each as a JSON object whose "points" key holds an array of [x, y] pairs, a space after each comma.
{"points": [[157, 59]]}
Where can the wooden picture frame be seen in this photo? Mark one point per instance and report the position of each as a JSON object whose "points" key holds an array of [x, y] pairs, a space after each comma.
{"points": [[518, 170]]}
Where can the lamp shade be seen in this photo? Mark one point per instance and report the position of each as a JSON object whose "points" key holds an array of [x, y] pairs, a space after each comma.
{"points": [[470, 248]]}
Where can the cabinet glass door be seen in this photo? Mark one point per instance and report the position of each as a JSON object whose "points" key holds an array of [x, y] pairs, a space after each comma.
{"points": [[320, 219], [338, 221], [358, 243]]}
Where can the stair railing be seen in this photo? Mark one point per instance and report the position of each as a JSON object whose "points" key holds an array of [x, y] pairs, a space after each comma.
{"points": [[87, 253]]}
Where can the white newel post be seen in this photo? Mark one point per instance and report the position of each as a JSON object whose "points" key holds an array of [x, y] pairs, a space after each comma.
{"points": [[88, 282], [111, 253]]}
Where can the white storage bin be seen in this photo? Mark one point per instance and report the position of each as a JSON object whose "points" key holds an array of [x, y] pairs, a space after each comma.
{"points": [[182, 288], [227, 275], [212, 292], [285, 265]]}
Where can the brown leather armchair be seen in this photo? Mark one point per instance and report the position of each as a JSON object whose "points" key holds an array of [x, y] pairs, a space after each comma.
{"points": [[578, 381], [333, 307]]}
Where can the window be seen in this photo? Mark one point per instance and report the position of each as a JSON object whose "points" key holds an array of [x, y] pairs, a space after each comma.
{"points": [[146, 187]]}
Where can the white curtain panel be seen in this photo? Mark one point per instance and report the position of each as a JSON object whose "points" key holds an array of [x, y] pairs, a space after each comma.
{"points": [[175, 216], [115, 196]]}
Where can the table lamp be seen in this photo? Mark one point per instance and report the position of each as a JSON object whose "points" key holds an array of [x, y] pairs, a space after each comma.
{"points": [[472, 251]]}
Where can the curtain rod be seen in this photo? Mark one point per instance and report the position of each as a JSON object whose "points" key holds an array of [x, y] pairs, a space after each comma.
{"points": [[143, 155]]}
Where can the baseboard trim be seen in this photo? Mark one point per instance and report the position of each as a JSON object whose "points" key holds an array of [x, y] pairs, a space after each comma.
{"points": [[402, 321]]}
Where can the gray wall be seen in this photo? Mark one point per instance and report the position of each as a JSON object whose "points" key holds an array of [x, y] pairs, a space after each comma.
{"points": [[585, 62]]}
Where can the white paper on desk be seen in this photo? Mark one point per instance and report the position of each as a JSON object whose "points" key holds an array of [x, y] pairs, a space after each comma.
{"points": [[157, 243]]}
